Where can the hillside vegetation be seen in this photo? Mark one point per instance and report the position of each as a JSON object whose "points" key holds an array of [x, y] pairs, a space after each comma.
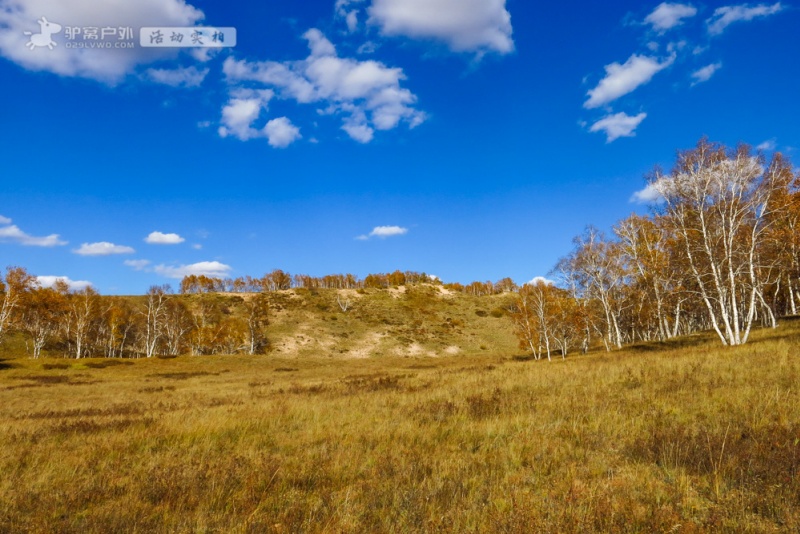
{"points": [[420, 320], [679, 436], [414, 320]]}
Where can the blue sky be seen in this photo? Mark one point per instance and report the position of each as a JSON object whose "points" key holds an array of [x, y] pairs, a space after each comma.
{"points": [[467, 139]]}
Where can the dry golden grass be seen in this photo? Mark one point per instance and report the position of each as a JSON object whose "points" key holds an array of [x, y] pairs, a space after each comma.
{"points": [[680, 437]]}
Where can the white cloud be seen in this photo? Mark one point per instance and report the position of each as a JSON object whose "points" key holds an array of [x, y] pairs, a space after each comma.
{"points": [[623, 79], [647, 195], [180, 77], [75, 285], [383, 232], [105, 65], [281, 132], [102, 248], [137, 265], [13, 234], [725, 16], [464, 25], [666, 16], [207, 268], [345, 11], [769, 145], [618, 125], [241, 111], [366, 94], [540, 280], [352, 21], [160, 238], [359, 132], [705, 74]]}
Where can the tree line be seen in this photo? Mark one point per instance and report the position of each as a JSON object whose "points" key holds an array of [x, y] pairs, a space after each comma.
{"points": [[719, 251], [279, 280], [82, 323]]}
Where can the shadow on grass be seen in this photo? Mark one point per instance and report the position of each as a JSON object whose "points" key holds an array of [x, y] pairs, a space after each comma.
{"points": [[6, 365], [102, 364], [683, 342]]}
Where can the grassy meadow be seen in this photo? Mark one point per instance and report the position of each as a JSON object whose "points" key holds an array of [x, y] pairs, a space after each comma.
{"points": [[673, 437]]}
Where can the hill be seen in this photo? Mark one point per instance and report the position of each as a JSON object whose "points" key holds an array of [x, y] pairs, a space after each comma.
{"points": [[413, 320]]}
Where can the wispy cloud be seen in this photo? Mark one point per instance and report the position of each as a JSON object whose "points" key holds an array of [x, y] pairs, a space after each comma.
{"points": [[207, 268], [179, 77], [382, 232], [618, 125], [13, 234], [648, 195], [103, 248], [725, 16], [667, 16], [769, 145], [705, 74], [625, 78], [160, 238], [137, 265]]}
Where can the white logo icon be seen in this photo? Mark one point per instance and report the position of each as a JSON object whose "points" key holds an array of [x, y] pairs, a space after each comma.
{"points": [[43, 39]]}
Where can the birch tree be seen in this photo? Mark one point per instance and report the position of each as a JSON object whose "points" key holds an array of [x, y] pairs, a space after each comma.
{"points": [[12, 290], [154, 314], [718, 202], [597, 272]]}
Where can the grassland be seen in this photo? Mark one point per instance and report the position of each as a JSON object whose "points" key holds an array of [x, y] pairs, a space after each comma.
{"points": [[679, 437]]}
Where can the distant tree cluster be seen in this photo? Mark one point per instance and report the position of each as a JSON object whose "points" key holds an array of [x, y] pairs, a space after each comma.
{"points": [[720, 251], [83, 323], [279, 280]]}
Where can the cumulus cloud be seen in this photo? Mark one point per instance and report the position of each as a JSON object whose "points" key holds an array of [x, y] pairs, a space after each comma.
{"points": [[103, 248], [382, 232], [366, 94], [281, 132], [11, 233], [623, 79], [648, 195], [666, 16], [540, 280], [241, 111], [106, 65], [618, 125], [180, 77], [705, 74], [75, 285], [463, 25], [206, 268], [725, 16], [137, 265], [160, 238]]}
